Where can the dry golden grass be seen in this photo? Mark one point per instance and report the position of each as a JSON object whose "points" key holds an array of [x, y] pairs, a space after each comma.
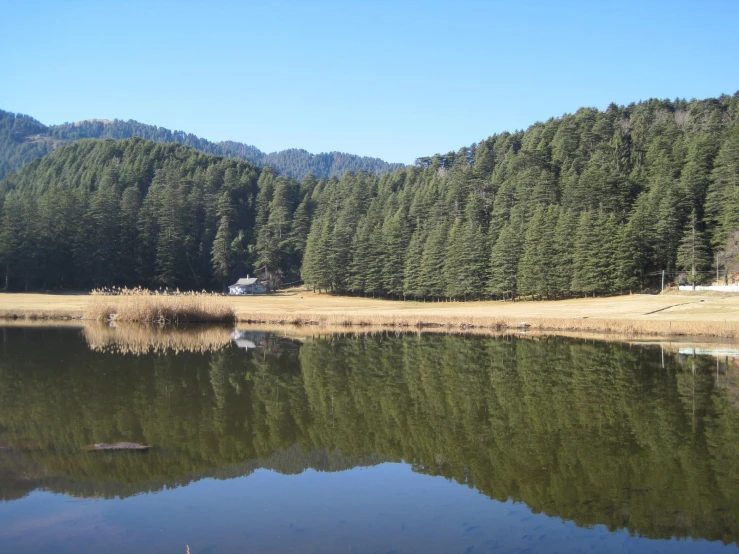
{"points": [[659, 315], [138, 339], [497, 323], [663, 307], [624, 315], [169, 307], [32, 307]]}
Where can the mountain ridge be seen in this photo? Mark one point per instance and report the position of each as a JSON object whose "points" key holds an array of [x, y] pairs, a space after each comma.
{"points": [[24, 138]]}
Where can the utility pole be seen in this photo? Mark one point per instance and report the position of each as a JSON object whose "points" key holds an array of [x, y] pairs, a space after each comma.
{"points": [[663, 281]]}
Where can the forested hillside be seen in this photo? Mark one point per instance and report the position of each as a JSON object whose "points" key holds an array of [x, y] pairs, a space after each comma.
{"points": [[22, 139], [596, 202], [592, 203], [105, 212]]}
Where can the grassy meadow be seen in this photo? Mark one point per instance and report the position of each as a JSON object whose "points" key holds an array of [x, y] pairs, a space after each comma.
{"points": [[669, 314]]}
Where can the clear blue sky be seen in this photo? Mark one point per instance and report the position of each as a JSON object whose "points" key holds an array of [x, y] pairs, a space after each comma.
{"points": [[396, 80]]}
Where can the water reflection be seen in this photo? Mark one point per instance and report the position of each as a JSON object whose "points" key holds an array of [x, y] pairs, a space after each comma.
{"points": [[592, 432], [142, 340]]}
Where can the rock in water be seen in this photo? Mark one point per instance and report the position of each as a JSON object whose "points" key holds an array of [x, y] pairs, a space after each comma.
{"points": [[101, 446]]}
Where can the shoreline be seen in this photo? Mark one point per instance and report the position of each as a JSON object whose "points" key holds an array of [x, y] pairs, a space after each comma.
{"points": [[677, 315], [497, 325], [133, 338]]}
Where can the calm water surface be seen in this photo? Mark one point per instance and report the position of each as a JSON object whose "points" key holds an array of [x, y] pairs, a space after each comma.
{"points": [[384, 443]]}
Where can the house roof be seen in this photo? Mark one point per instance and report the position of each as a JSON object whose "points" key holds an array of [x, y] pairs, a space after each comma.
{"points": [[245, 281]]}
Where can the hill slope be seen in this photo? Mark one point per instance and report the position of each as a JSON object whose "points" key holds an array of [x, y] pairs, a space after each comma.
{"points": [[591, 203], [104, 212], [23, 139]]}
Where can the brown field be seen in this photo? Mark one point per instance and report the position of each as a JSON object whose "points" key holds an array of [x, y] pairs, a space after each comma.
{"points": [[670, 314]]}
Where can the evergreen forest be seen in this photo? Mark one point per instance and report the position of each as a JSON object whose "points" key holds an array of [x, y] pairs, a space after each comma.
{"points": [[23, 139], [590, 203]]}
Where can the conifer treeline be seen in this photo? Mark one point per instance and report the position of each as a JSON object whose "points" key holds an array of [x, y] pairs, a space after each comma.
{"points": [[102, 213], [590, 203]]}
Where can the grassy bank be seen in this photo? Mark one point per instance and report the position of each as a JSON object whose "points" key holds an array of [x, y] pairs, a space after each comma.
{"points": [[500, 323], [663, 315]]}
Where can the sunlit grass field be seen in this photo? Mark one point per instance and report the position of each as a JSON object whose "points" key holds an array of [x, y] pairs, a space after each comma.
{"points": [[669, 314]]}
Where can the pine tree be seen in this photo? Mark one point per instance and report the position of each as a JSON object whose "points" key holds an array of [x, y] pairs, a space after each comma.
{"points": [[696, 174], [593, 260], [413, 285], [395, 239], [375, 261], [296, 239], [358, 268], [504, 259], [221, 253], [466, 268], [433, 260], [453, 271], [316, 270], [693, 255], [18, 241], [536, 274], [274, 234], [672, 204], [474, 261], [170, 264], [634, 253], [103, 216], [10, 237], [128, 252], [60, 222], [563, 252], [722, 201]]}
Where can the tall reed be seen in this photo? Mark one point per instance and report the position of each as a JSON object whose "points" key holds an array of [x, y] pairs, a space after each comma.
{"points": [[161, 307]]}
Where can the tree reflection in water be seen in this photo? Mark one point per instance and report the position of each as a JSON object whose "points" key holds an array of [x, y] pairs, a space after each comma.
{"points": [[594, 432]]}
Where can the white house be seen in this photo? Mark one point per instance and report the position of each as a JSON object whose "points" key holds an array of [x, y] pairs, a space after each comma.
{"points": [[247, 285]]}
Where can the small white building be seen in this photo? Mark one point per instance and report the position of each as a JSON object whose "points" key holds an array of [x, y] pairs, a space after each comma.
{"points": [[247, 285]]}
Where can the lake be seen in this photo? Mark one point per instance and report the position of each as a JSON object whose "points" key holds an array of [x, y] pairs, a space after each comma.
{"points": [[389, 443]]}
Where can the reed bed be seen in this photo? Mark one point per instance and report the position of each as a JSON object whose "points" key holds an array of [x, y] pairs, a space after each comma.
{"points": [[146, 339], [630, 327], [162, 307]]}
